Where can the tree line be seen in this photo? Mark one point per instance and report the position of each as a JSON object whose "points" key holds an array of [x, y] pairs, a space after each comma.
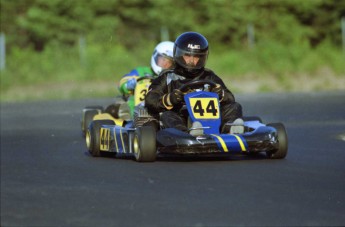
{"points": [[131, 23]]}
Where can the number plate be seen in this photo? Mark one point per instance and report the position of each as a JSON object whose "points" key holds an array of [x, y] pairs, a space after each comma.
{"points": [[105, 139], [204, 108], [140, 91]]}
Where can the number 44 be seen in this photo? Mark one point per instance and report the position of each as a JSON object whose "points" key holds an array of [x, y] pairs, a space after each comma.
{"points": [[207, 109]]}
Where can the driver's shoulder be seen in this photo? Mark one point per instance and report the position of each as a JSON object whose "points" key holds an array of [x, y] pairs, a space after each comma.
{"points": [[172, 76], [144, 70], [208, 71]]}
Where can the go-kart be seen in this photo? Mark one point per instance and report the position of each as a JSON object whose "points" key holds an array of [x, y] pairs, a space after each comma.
{"points": [[138, 139], [120, 109]]}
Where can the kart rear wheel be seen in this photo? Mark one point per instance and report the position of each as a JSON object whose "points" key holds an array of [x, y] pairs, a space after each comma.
{"points": [[113, 110], [144, 144], [84, 125], [282, 150], [93, 137], [119, 110], [88, 117]]}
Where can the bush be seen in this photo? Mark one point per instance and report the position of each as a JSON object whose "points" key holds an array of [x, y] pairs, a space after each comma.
{"points": [[103, 64]]}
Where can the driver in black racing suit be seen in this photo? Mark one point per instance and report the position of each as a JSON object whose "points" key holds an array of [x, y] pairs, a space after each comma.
{"points": [[190, 55]]}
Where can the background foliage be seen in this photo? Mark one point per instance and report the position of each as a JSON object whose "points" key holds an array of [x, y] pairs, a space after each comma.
{"points": [[59, 41]]}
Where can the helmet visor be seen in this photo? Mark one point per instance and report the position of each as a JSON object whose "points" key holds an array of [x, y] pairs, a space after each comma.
{"points": [[162, 60], [190, 59]]}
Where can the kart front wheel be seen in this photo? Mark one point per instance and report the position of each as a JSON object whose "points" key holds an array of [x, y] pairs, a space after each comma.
{"points": [[144, 144], [282, 150], [93, 137]]}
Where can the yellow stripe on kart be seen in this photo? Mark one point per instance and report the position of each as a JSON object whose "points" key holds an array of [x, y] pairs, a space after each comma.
{"points": [[243, 148], [223, 144], [225, 148], [117, 147], [123, 144], [105, 139]]}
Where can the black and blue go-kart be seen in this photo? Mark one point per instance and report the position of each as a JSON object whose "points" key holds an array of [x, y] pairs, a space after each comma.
{"points": [[133, 138]]}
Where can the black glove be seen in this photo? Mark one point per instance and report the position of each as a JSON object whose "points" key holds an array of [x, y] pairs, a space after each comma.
{"points": [[219, 90], [173, 98]]}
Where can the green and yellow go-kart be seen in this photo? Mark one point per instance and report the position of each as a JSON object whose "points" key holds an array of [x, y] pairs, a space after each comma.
{"points": [[120, 109]]}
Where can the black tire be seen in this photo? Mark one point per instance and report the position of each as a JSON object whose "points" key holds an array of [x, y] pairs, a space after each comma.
{"points": [[113, 110], [282, 150], [252, 118], [98, 109], [144, 144], [88, 117], [93, 138]]}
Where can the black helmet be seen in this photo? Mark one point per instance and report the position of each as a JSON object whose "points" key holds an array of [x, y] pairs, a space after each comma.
{"points": [[191, 44]]}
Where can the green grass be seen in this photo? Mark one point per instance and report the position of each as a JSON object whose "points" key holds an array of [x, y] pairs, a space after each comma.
{"points": [[63, 73]]}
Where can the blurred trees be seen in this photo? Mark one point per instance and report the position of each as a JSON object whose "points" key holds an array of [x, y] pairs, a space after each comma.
{"points": [[130, 23]]}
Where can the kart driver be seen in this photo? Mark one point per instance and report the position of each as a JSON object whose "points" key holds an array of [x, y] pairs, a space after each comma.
{"points": [[162, 58], [164, 97]]}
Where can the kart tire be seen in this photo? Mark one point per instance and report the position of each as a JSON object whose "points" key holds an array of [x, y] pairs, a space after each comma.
{"points": [[144, 144], [93, 137], [282, 150], [88, 117], [252, 118], [113, 110], [99, 109]]}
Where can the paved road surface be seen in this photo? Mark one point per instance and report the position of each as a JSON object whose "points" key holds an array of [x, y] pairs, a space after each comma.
{"points": [[48, 178]]}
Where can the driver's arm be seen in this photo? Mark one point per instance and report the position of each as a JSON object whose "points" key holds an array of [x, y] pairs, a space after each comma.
{"points": [[157, 90], [228, 97]]}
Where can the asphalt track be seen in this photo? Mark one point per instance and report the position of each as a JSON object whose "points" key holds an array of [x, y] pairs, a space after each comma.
{"points": [[49, 179]]}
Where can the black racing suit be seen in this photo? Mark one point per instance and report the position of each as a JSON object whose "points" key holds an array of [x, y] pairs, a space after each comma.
{"points": [[173, 79]]}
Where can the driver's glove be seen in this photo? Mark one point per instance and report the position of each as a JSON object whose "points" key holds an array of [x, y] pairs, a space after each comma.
{"points": [[219, 90], [131, 83], [173, 98]]}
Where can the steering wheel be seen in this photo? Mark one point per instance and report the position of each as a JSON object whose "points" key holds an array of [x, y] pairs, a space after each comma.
{"points": [[197, 84]]}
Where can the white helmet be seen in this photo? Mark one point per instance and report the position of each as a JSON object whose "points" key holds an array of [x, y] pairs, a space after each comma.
{"points": [[164, 49]]}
